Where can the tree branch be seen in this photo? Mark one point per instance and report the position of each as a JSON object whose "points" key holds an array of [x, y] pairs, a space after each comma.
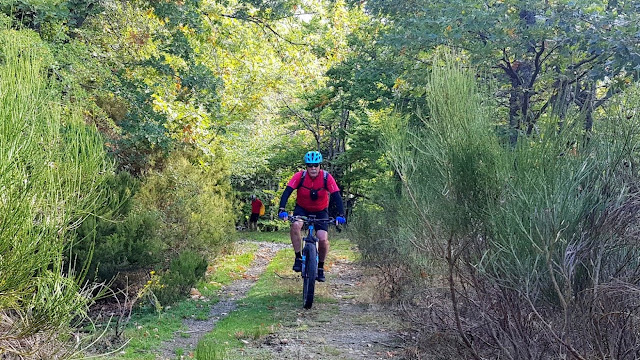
{"points": [[508, 69], [307, 123], [264, 24], [587, 60], [537, 63]]}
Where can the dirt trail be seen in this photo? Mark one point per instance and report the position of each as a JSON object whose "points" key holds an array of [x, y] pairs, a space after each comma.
{"points": [[229, 295], [346, 327], [350, 328]]}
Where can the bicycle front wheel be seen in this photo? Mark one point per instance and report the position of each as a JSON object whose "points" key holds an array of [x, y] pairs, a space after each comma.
{"points": [[309, 275]]}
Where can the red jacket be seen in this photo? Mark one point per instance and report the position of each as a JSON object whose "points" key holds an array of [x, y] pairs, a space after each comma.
{"points": [[255, 206]]}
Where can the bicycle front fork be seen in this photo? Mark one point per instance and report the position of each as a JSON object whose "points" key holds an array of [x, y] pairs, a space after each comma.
{"points": [[304, 262]]}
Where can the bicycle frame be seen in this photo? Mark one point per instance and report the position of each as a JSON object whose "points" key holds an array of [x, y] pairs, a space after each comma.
{"points": [[309, 258], [312, 240]]}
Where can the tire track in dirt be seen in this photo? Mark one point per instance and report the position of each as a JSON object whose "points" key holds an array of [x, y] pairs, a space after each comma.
{"points": [[228, 298], [350, 326]]}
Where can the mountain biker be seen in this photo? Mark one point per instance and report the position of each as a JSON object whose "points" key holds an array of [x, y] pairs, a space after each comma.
{"points": [[313, 199]]}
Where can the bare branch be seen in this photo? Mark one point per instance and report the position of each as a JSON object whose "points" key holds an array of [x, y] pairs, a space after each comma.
{"points": [[587, 60], [306, 121], [537, 65], [263, 23]]}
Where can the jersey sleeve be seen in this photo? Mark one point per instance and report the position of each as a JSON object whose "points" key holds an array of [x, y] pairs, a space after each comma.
{"points": [[295, 180], [331, 184]]}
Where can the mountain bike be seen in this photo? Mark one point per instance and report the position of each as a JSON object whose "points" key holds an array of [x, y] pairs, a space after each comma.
{"points": [[309, 258]]}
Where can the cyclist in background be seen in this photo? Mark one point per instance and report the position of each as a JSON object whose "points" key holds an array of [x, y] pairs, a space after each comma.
{"points": [[313, 186]]}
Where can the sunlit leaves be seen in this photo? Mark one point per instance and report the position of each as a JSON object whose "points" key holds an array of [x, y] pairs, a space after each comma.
{"points": [[552, 54]]}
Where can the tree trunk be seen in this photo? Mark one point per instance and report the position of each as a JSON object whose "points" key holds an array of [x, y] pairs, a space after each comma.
{"points": [[587, 108], [584, 98], [514, 115], [561, 102]]}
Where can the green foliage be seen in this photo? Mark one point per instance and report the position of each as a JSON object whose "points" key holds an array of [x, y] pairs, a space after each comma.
{"points": [[114, 239], [191, 202], [5, 21], [546, 223], [564, 190], [154, 69], [547, 56], [133, 244], [272, 225], [52, 169], [449, 164], [184, 208], [121, 238], [183, 273], [389, 228], [363, 161], [386, 247], [51, 18]]}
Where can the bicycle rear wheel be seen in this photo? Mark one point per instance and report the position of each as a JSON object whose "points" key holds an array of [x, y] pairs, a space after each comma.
{"points": [[309, 275]]}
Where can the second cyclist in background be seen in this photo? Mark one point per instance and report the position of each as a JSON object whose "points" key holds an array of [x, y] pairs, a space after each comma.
{"points": [[314, 186]]}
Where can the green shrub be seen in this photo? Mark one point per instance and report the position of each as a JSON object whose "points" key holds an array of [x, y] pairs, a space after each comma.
{"points": [[182, 275], [272, 225], [5, 21], [192, 201], [543, 233], [133, 245], [120, 237], [180, 210]]}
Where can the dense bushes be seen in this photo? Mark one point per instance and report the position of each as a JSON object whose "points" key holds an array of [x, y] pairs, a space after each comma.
{"points": [[532, 249], [183, 273], [121, 237], [170, 222], [192, 202]]}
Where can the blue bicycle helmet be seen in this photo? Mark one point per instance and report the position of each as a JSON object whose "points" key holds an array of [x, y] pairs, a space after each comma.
{"points": [[313, 157]]}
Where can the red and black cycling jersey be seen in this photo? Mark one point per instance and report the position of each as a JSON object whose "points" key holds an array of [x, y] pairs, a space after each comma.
{"points": [[304, 199]]}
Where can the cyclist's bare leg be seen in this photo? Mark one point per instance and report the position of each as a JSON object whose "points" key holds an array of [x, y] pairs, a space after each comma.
{"points": [[296, 238], [323, 244]]}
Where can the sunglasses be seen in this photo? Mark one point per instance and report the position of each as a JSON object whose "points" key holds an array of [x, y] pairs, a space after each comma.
{"points": [[313, 165]]}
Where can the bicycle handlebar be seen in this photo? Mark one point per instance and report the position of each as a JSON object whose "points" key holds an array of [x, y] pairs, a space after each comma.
{"points": [[307, 219]]}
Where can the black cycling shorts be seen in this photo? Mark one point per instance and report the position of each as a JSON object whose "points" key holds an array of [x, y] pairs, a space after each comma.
{"points": [[254, 217], [324, 214]]}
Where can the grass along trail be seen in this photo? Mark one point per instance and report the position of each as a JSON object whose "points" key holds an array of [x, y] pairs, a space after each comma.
{"points": [[269, 323], [252, 309], [185, 341]]}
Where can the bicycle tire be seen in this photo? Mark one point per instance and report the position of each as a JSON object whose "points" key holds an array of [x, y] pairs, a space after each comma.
{"points": [[310, 274]]}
